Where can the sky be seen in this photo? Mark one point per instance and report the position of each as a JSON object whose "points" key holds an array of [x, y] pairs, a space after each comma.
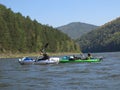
{"points": [[61, 12]]}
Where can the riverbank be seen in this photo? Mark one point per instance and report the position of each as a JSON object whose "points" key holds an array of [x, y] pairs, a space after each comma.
{"points": [[19, 55]]}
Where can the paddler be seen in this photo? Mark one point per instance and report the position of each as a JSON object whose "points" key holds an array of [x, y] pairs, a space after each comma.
{"points": [[89, 56], [45, 56]]}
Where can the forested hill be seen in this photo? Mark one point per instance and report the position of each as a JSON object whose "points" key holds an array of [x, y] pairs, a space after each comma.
{"points": [[104, 39], [76, 29], [21, 34]]}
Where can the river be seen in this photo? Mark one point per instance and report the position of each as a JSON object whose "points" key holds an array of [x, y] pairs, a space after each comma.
{"points": [[104, 75]]}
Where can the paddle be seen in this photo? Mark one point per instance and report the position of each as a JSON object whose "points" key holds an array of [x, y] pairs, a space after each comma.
{"points": [[43, 49], [82, 56]]}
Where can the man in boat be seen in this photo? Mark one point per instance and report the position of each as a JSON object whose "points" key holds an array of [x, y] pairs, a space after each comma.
{"points": [[82, 57], [73, 57], [89, 56], [45, 56]]}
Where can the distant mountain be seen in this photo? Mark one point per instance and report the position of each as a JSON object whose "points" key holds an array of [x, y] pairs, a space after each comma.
{"points": [[104, 39], [76, 29]]}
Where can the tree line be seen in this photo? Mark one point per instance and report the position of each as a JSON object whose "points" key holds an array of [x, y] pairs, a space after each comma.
{"points": [[103, 39], [21, 34]]}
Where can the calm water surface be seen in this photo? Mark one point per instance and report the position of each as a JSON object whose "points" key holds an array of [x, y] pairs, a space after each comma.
{"points": [[67, 76]]}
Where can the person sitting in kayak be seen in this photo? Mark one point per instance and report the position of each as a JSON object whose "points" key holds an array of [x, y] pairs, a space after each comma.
{"points": [[45, 56], [89, 56], [73, 57]]}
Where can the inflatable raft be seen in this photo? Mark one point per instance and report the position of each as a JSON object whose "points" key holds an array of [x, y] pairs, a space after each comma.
{"points": [[27, 60]]}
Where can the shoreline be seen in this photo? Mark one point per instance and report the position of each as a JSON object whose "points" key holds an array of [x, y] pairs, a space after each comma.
{"points": [[20, 55]]}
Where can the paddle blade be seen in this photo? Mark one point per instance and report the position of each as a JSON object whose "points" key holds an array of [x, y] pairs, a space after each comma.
{"points": [[43, 49], [46, 45]]}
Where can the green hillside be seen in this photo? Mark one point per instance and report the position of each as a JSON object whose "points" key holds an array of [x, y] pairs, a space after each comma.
{"points": [[21, 34], [104, 39], [76, 29]]}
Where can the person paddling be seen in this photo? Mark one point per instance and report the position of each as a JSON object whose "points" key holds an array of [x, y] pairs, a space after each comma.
{"points": [[43, 52], [89, 56], [45, 56]]}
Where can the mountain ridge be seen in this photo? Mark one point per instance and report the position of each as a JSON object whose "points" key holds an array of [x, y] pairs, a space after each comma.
{"points": [[76, 29], [103, 39]]}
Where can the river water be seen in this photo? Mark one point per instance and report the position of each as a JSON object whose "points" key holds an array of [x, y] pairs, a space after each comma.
{"points": [[104, 75]]}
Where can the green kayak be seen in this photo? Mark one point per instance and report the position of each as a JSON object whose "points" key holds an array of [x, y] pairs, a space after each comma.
{"points": [[79, 60]]}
